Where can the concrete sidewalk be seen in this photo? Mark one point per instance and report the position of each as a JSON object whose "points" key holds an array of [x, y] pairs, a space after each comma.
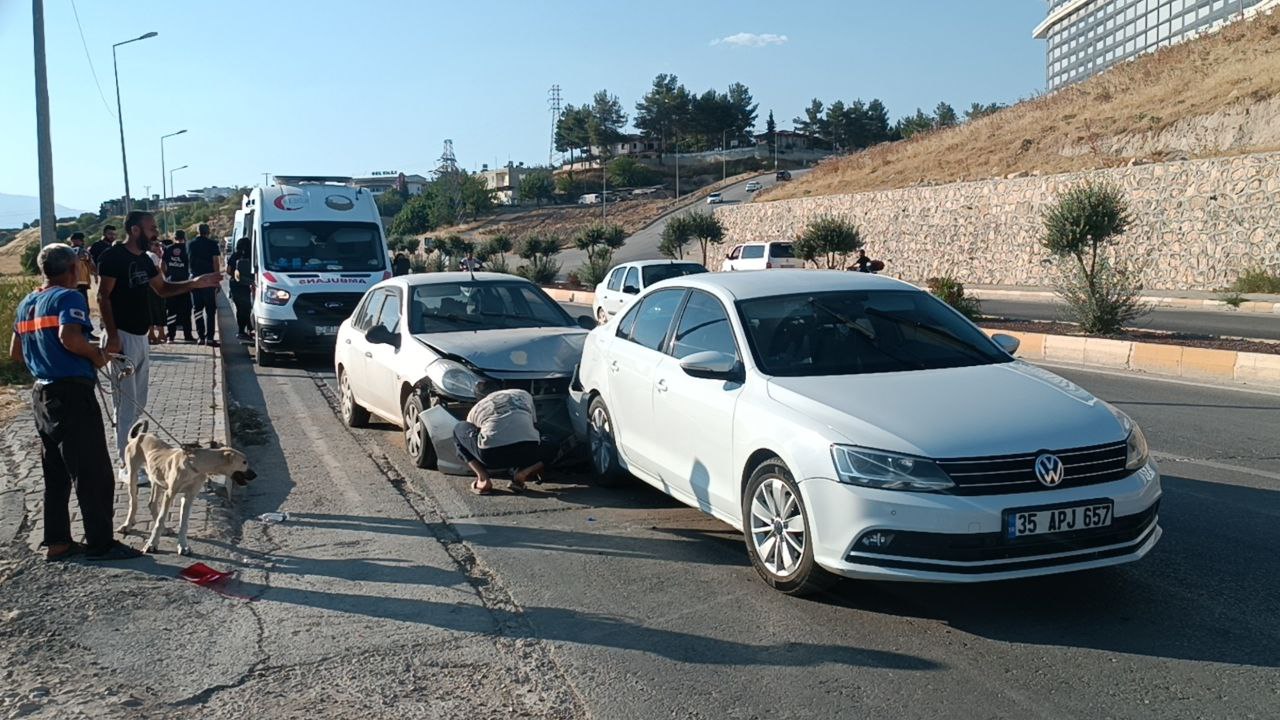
{"points": [[186, 396]]}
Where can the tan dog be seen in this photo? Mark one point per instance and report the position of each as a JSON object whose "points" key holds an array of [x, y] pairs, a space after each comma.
{"points": [[175, 473]]}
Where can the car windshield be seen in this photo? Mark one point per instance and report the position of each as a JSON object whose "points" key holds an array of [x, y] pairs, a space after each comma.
{"points": [[323, 247], [479, 305], [658, 273], [861, 332]]}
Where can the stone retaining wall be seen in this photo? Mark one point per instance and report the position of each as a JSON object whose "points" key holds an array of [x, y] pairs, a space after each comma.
{"points": [[1197, 224]]}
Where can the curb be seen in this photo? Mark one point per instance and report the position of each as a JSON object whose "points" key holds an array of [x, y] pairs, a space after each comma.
{"points": [[1159, 301], [1194, 363]]}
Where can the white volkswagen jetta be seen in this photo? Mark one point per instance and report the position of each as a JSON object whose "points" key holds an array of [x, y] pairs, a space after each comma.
{"points": [[854, 425]]}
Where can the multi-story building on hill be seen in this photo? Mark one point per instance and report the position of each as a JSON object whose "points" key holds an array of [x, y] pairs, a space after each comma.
{"points": [[1086, 37]]}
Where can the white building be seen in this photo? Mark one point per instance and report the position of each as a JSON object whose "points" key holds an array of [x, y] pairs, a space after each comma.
{"points": [[381, 181]]}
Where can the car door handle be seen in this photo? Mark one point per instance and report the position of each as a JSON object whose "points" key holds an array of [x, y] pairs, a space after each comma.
{"points": [[661, 385], [613, 366], [368, 354]]}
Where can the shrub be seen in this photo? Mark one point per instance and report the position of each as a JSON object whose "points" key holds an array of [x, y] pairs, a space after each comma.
{"points": [[1099, 294], [1232, 298], [29, 255], [828, 238], [12, 290], [417, 265], [951, 292], [498, 264], [1257, 280], [541, 267], [593, 271], [434, 263]]}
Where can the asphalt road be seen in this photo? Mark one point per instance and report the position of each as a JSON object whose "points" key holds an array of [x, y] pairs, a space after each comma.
{"points": [[1198, 322], [623, 603], [644, 244]]}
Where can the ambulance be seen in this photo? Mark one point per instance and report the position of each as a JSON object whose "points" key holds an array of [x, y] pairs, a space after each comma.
{"points": [[317, 245]]}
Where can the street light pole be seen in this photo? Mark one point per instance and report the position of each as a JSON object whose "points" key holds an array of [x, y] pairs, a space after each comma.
{"points": [[120, 116], [724, 157], [164, 194], [44, 145], [168, 206]]}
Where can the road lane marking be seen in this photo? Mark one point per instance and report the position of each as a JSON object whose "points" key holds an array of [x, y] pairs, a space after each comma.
{"points": [[1166, 457]]}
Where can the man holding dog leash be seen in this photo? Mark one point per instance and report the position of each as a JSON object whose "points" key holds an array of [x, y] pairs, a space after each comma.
{"points": [[50, 337], [126, 278]]}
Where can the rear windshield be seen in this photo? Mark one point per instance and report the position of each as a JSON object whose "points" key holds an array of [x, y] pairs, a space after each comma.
{"points": [[658, 273], [781, 250], [323, 246]]}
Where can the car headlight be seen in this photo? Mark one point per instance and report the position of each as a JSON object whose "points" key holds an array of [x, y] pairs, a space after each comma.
{"points": [[275, 296], [888, 471], [453, 379], [1136, 451]]}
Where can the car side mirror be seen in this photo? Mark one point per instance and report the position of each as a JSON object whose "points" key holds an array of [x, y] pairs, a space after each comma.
{"points": [[1007, 343], [712, 365], [379, 335], [586, 322], [630, 290]]}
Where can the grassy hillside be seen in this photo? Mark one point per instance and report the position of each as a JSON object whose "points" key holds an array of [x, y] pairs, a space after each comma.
{"points": [[1216, 95]]}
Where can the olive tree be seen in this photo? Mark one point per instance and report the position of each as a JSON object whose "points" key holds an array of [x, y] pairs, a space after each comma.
{"points": [[538, 251], [1099, 293], [706, 228], [829, 239], [599, 241]]}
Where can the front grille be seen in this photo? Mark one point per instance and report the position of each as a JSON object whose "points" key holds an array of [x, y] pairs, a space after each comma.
{"points": [[326, 308], [998, 475], [548, 387], [988, 547]]}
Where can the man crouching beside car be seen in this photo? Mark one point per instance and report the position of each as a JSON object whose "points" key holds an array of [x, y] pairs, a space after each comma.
{"points": [[500, 433]]}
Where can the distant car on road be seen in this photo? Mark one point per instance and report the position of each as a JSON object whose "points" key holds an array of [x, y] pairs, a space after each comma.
{"points": [[851, 424], [761, 256], [627, 280], [782, 175], [420, 342], [714, 199], [753, 185]]}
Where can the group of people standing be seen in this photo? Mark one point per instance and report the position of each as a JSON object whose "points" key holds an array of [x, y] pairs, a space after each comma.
{"points": [[53, 339]]}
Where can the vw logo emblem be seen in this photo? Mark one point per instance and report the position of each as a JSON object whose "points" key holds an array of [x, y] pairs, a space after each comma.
{"points": [[333, 305], [1049, 470]]}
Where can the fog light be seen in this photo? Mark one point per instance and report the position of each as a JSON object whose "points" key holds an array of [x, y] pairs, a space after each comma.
{"points": [[877, 540]]}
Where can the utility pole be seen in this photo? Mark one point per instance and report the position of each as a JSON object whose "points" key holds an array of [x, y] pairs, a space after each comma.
{"points": [[604, 190], [553, 100], [147, 204], [724, 155], [677, 166], [44, 145]]}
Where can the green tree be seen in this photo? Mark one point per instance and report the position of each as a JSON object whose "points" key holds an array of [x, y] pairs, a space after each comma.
{"points": [[539, 253], [742, 112], [29, 256], [813, 122], [951, 291], [676, 235], [913, 125], [475, 197], [944, 116], [415, 217], [828, 239], [627, 172], [875, 121], [573, 130], [706, 229], [664, 110], [978, 110], [770, 131], [609, 236], [538, 186], [567, 184], [1079, 225], [390, 202], [607, 121]]}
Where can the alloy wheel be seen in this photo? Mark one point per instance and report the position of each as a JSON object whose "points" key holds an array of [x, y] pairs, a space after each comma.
{"points": [[346, 399], [412, 430], [601, 438], [777, 527]]}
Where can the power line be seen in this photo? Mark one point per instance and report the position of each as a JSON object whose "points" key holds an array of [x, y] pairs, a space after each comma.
{"points": [[85, 45]]}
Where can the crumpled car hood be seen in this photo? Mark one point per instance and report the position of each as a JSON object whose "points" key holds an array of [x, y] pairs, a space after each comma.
{"points": [[526, 351]]}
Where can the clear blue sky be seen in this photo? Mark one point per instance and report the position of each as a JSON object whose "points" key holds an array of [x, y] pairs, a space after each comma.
{"points": [[323, 86]]}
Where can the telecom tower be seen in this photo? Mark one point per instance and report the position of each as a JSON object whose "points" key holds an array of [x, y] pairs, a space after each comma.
{"points": [[448, 161], [553, 102]]}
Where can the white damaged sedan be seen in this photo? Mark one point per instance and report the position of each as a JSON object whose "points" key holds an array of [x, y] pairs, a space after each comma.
{"points": [[854, 425]]}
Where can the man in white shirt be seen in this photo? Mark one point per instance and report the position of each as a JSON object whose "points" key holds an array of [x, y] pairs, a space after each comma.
{"points": [[500, 433]]}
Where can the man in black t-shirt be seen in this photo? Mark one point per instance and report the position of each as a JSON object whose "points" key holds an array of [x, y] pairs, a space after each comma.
{"points": [[177, 268], [100, 245], [126, 278], [204, 257]]}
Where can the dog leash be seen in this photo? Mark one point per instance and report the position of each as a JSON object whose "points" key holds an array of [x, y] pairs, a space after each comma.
{"points": [[126, 369]]}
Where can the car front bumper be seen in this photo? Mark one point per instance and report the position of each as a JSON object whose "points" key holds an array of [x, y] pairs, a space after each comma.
{"points": [[294, 336], [931, 537]]}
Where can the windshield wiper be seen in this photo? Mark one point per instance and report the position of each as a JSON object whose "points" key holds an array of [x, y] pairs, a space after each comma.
{"points": [[973, 350], [868, 334]]}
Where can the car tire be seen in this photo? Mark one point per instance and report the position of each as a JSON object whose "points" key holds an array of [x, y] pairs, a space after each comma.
{"points": [[353, 413], [773, 512], [417, 441], [603, 445], [266, 358]]}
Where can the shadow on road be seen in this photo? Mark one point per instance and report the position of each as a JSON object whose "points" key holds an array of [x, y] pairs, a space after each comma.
{"points": [[1210, 591]]}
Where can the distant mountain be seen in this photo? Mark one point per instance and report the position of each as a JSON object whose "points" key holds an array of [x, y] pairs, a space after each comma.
{"points": [[18, 209]]}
